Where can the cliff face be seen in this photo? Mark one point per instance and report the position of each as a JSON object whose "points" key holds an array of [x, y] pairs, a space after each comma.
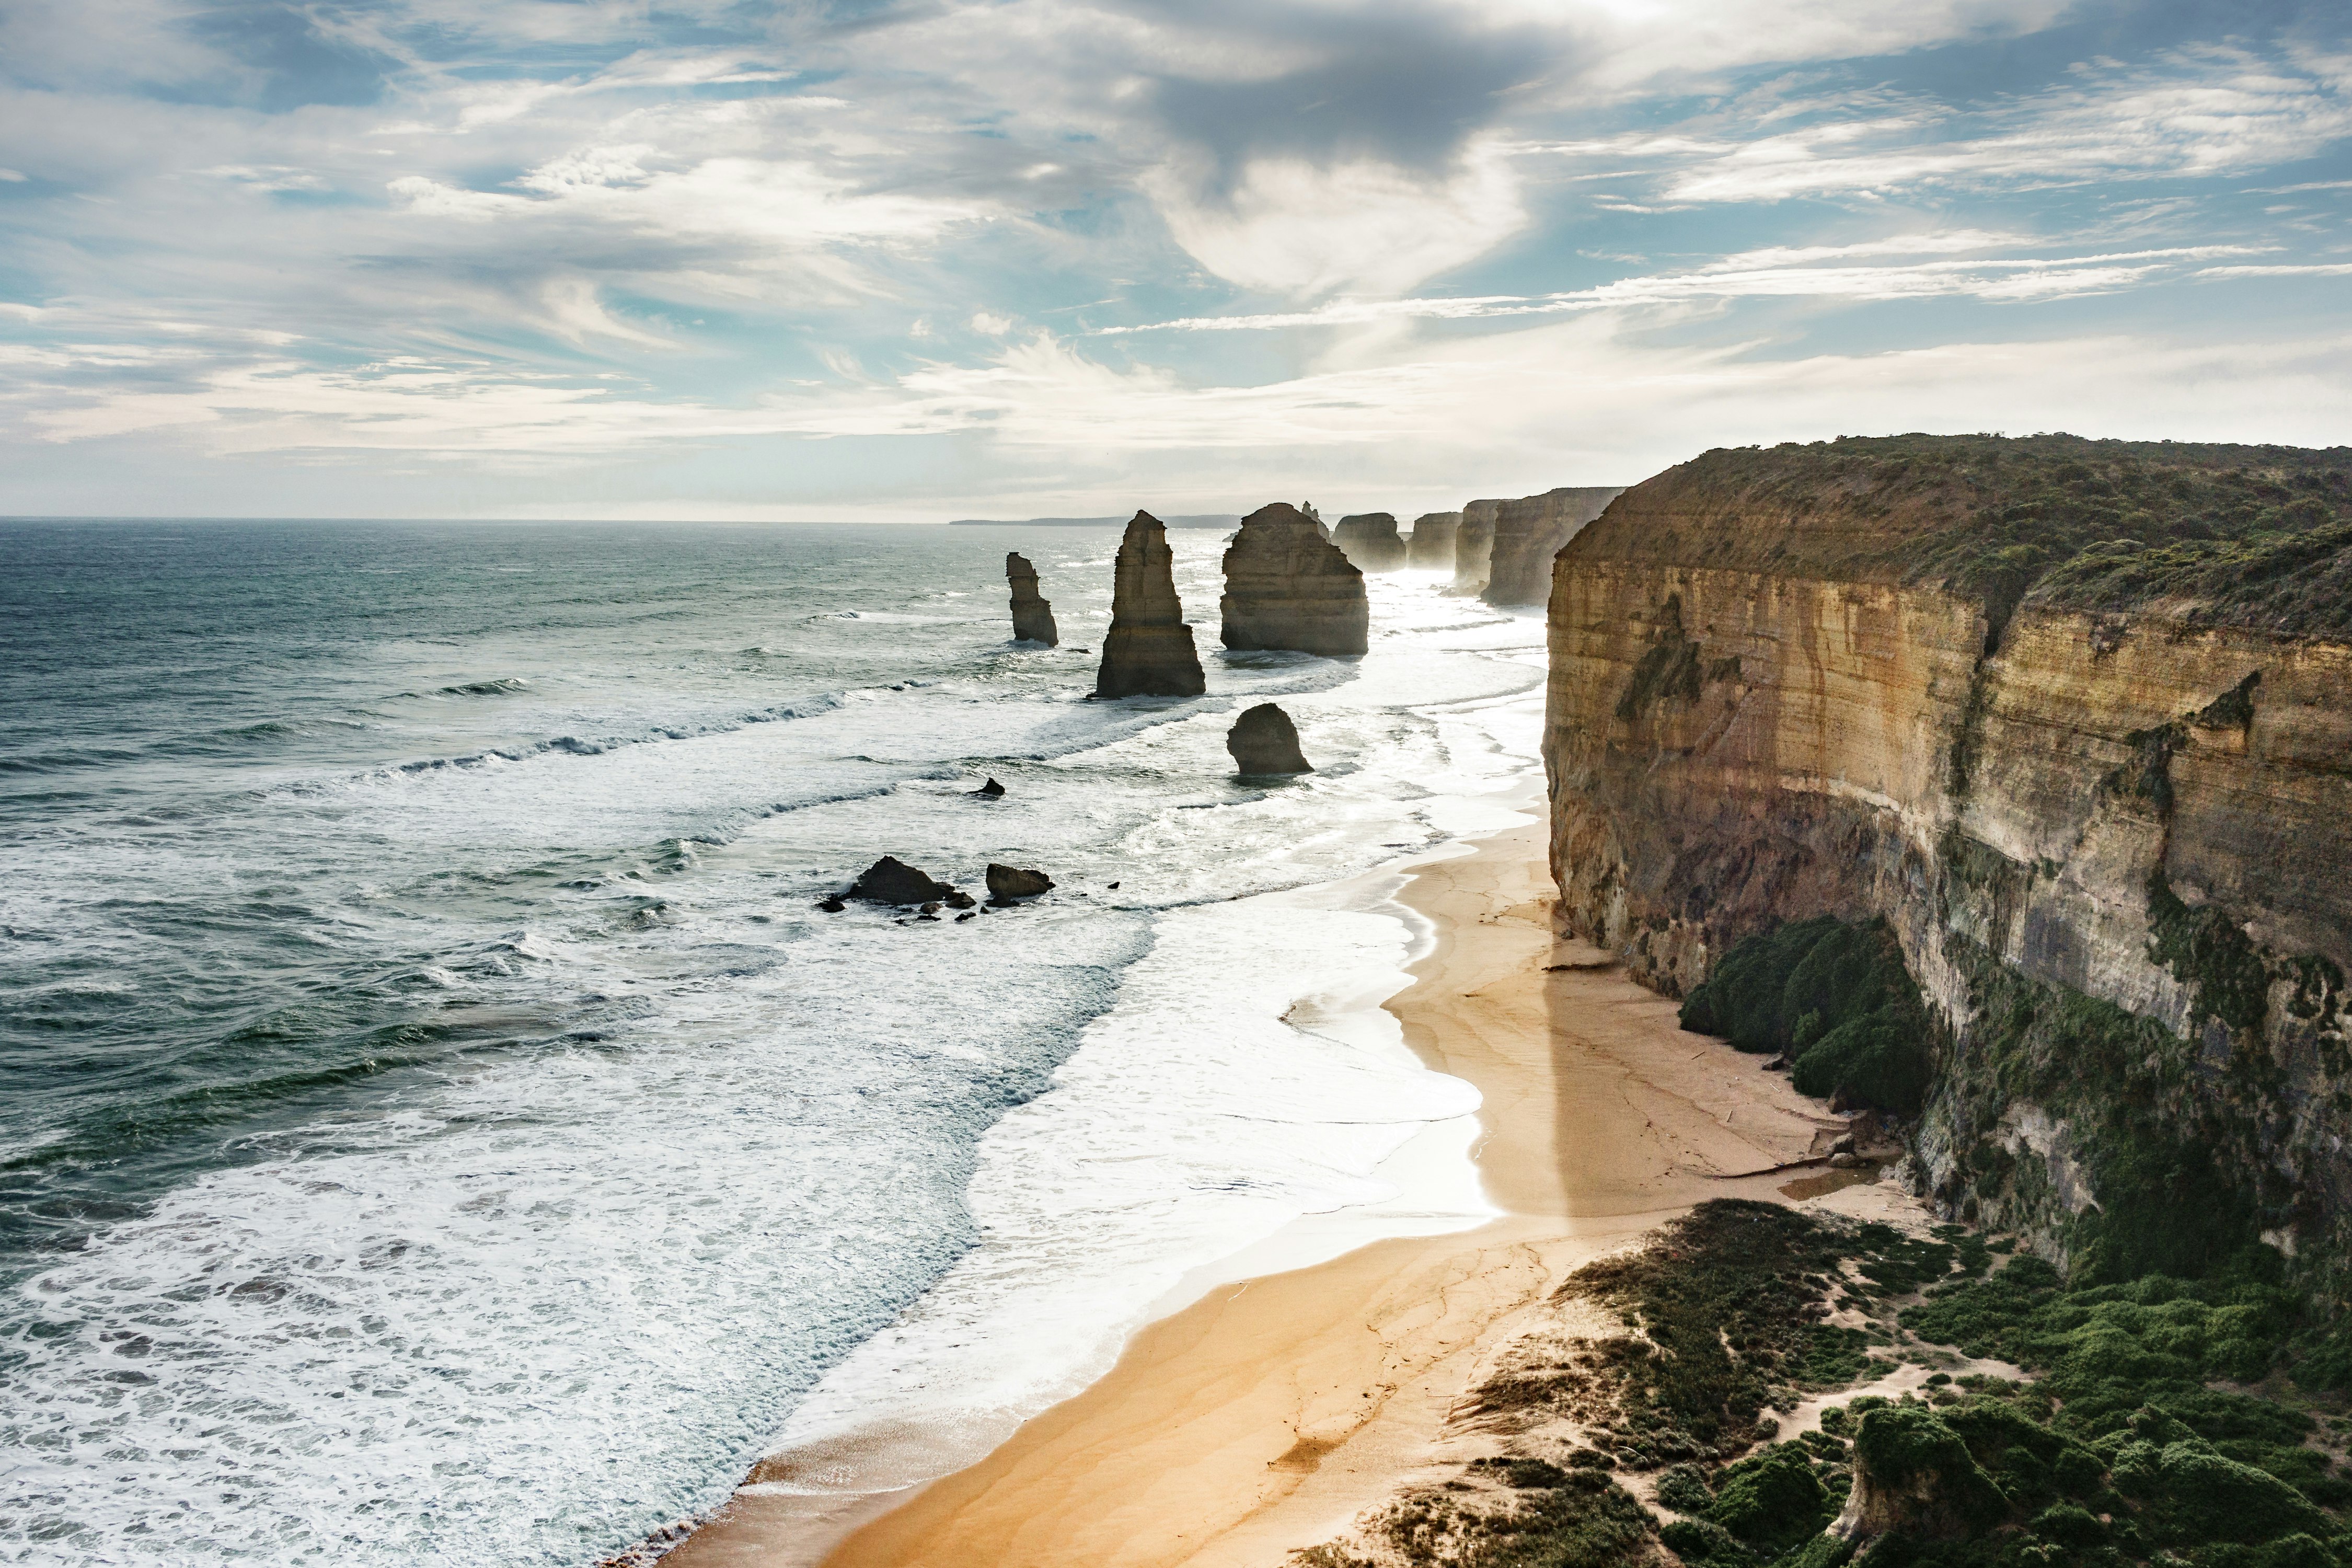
{"points": [[2056, 710], [1033, 616], [1431, 549], [1288, 587], [1371, 542], [1149, 650], [1529, 532], [1474, 544]]}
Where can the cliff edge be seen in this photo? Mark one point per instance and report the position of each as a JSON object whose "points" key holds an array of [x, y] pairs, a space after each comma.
{"points": [[2074, 718], [1529, 532]]}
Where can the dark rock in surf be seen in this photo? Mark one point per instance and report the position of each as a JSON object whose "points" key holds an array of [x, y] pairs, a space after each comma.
{"points": [[1149, 652], [1369, 539], [891, 881], [959, 899], [1006, 883], [991, 790], [1288, 587], [832, 906], [1264, 740], [1033, 616]]}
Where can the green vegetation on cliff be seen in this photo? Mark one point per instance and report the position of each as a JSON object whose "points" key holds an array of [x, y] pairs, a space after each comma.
{"points": [[2255, 536], [1835, 997]]}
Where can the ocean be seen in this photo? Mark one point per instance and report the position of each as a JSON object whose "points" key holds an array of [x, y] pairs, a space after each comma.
{"points": [[437, 1123]]}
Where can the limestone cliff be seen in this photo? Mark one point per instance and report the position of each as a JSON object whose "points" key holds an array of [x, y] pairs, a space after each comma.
{"points": [[1149, 650], [1430, 548], [1474, 543], [1529, 532], [2076, 718], [1033, 616], [1371, 542], [1288, 587]]}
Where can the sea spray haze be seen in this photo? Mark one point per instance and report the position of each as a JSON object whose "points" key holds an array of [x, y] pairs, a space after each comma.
{"points": [[435, 1123]]}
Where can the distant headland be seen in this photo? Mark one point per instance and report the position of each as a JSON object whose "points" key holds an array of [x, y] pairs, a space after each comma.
{"points": [[1197, 519]]}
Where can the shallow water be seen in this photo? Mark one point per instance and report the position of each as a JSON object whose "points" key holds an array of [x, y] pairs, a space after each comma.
{"points": [[434, 1121]]}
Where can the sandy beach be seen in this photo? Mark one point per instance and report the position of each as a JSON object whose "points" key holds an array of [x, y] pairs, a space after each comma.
{"points": [[1268, 1414]]}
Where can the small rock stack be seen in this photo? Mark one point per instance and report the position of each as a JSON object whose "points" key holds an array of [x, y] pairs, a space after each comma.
{"points": [[1264, 740], [1288, 587], [1369, 539], [1432, 540], [1033, 616], [1149, 651]]}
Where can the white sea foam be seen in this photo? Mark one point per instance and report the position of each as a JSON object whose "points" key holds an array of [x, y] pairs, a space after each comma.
{"points": [[532, 1298]]}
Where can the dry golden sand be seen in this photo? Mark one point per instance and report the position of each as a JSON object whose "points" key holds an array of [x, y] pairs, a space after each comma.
{"points": [[1268, 1414]]}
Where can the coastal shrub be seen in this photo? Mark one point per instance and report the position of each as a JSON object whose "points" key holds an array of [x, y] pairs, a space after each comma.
{"points": [[1772, 1500], [1835, 997], [1585, 1520]]}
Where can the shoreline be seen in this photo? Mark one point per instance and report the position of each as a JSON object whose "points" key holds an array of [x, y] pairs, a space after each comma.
{"points": [[1262, 1416]]}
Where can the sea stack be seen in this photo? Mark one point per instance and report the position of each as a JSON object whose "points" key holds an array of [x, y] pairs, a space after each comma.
{"points": [[1529, 532], [1288, 587], [1431, 548], [1264, 740], [1033, 618], [1369, 539], [1474, 542], [1149, 650]]}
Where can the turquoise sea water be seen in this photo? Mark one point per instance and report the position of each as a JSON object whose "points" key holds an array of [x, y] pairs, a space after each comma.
{"points": [[435, 1123]]}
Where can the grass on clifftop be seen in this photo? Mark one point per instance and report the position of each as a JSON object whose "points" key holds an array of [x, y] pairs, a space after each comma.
{"points": [[2257, 536]]}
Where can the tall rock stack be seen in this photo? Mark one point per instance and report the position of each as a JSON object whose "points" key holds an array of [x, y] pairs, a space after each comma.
{"points": [[1033, 618], [1432, 549], [1369, 539], [1288, 587], [1474, 542], [1149, 651], [1529, 532]]}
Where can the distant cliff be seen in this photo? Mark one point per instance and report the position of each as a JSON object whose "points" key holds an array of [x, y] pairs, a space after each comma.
{"points": [[2074, 718], [1529, 532]]}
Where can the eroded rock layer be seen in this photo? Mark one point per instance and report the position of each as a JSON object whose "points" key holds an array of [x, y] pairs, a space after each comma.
{"points": [[1474, 543], [2062, 714], [1431, 549], [1147, 651], [1288, 587], [1033, 616], [1371, 542], [1529, 532]]}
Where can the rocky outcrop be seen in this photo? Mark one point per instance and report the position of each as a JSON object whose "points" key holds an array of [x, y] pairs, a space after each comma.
{"points": [[1147, 651], [1008, 883], [1431, 549], [1288, 587], [1529, 532], [1033, 618], [2092, 763], [1474, 543], [1371, 542], [1264, 740], [891, 881]]}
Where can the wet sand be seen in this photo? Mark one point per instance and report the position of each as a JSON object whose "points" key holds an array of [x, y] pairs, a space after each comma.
{"points": [[1263, 1416]]}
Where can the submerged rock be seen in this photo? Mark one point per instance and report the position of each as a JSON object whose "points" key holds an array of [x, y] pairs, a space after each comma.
{"points": [[1474, 543], [1288, 587], [832, 906], [891, 881], [1149, 652], [1264, 740], [1033, 616], [1009, 882], [1529, 532], [1431, 545], [1369, 539]]}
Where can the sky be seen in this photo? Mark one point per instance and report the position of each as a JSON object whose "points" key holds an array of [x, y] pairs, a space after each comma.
{"points": [[706, 259]]}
